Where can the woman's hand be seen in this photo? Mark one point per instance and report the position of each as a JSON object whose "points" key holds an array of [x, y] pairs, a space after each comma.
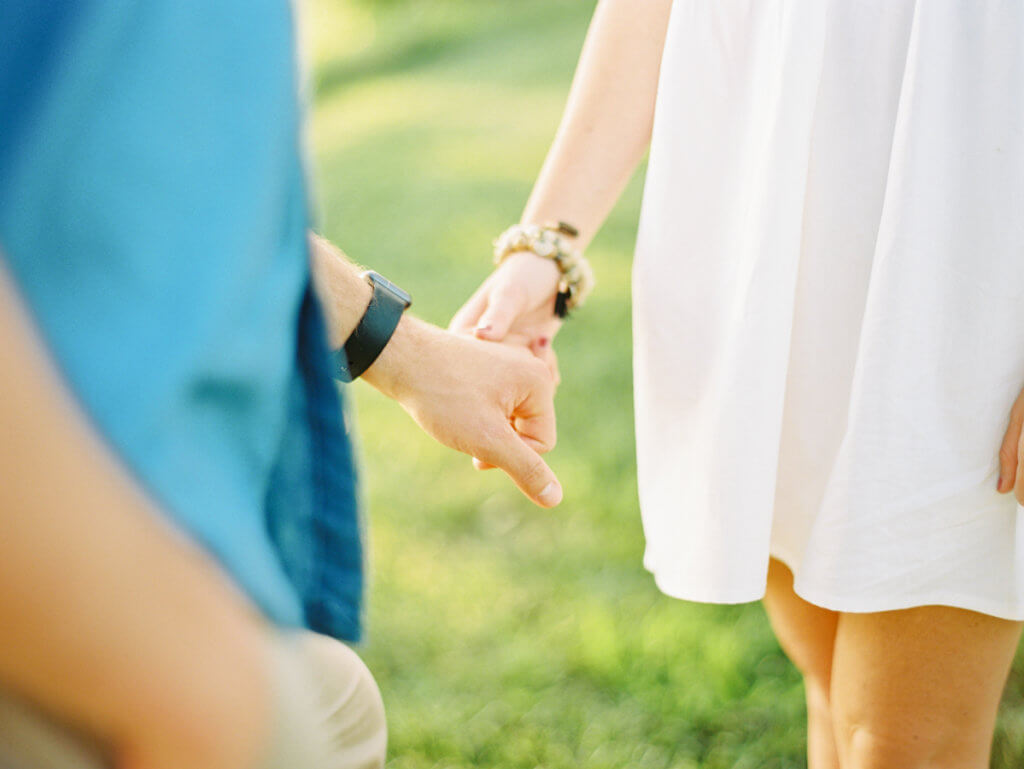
{"points": [[516, 304], [1011, 453]]}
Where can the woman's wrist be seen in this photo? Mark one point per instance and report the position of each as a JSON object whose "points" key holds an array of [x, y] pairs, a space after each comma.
{"points": [[557, 244], [538, 268]]}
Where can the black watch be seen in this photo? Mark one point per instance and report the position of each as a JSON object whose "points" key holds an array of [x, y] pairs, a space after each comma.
{"points": [[375, 328]]}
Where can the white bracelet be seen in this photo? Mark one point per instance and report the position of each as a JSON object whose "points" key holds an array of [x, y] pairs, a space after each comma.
{"points": [[550, 242]]}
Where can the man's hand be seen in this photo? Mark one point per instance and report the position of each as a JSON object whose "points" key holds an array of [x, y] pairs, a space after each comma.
{"points": [[493, 402], [1011, 453]]}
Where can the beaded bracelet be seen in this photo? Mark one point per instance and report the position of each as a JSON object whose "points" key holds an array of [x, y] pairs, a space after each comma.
{"points": [[549, 242]]}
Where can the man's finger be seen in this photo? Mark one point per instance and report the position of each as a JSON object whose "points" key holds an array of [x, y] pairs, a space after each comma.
{"points": [[540, 448], [526, 469], [534, 417], [537, 431]]}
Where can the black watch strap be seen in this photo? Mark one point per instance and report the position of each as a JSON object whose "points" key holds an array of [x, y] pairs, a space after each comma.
{"points": [[374, 330]]}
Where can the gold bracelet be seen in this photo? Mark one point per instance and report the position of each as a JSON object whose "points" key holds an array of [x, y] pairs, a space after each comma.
{"points": [[549, 241]]}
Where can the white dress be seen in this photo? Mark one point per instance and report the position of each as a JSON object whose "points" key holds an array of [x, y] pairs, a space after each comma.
{"points": [[829, 302]]}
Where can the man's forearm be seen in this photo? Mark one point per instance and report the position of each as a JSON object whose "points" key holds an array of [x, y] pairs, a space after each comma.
{"points": [[344, 294], [108, 618]]}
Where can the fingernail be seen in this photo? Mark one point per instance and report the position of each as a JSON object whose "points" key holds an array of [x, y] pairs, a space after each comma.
{"points": [[483, 329], [999, 484], [551, 495]]}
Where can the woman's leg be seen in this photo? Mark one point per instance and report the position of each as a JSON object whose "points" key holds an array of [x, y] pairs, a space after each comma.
{"points": [[807, 635], [919, 687]]}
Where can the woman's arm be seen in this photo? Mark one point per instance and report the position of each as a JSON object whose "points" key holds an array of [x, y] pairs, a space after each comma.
{"points": [[604, 133], [607, 123]]}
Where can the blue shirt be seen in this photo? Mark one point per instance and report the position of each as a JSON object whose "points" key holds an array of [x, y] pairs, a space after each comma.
{"points": [[153, 214]]}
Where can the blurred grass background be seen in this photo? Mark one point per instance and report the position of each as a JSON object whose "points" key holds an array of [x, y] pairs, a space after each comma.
{"points": [[503, 635]]}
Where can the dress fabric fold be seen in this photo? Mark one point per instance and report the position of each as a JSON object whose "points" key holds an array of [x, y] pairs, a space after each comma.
{"points": [[829, 302]]}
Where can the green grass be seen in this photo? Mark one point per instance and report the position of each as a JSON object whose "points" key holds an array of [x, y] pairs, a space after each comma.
{"points": [[503, 635]]}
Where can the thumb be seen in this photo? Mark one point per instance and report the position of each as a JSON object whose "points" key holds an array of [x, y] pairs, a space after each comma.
{"points": [[526, 469], [502, 310], [1009, 451]]}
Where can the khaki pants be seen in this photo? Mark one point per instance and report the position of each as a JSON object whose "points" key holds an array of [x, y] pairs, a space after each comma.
{"points": [[329, 715]]}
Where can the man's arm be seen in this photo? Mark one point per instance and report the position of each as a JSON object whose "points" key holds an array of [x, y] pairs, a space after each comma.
{"points": [[493, 402], [108, 618]]}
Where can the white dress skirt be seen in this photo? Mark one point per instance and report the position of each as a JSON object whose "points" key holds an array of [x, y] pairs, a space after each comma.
{"points": [[829, 302]]}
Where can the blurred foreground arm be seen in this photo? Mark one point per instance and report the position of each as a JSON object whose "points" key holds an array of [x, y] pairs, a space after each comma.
{"points": [[495, 403], [109, 620], [604, 134]]}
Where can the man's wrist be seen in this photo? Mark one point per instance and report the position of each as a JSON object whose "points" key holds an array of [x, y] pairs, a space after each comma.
{"points": [[344, 294], [396, 366], [374, 330]]}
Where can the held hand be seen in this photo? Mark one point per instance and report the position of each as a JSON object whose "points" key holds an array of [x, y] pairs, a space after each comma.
{"points": [[1011, 453], [518, 298], [494, 402]]}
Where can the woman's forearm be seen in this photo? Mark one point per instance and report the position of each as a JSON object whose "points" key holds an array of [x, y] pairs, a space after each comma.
{"points": [[604, 133], [607, 123]]}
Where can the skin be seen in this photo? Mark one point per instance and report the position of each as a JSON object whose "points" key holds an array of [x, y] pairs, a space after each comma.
{"points": [[114, 623], [593, 156], [893, 689], [807, 634], [1011, 453], [495, 403]]}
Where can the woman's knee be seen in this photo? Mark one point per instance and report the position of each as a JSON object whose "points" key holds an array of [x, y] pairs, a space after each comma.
{"points": [[862, 744], [819, 700], [350, 701], [919, 687]]}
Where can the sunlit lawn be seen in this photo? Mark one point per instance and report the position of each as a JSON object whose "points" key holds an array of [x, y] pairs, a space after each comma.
{"points": [[504, 635]]}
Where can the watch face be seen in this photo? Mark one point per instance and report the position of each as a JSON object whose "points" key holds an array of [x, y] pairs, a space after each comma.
{"points": [[377, 279]]}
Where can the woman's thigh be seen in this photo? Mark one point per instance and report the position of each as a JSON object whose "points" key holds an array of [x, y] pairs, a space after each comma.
{"points": [[805, 632], [919, 687]]}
